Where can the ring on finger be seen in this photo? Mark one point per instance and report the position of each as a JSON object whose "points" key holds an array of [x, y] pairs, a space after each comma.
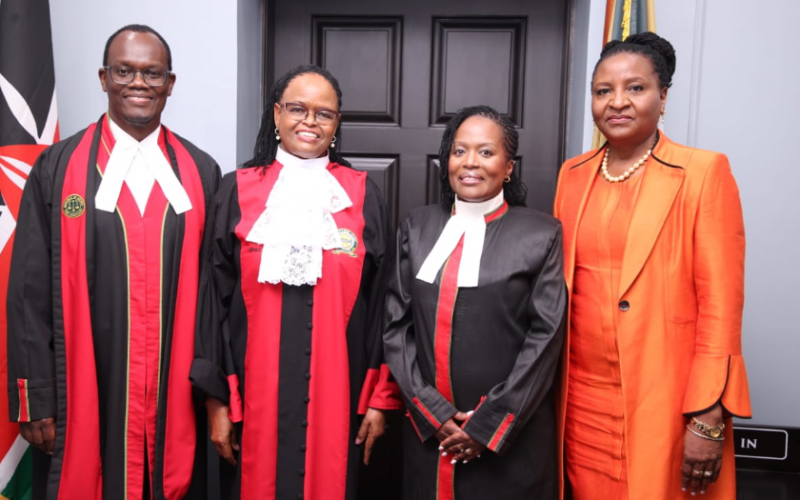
{"points": [[708, 473], [697, 472], [468, 451]]}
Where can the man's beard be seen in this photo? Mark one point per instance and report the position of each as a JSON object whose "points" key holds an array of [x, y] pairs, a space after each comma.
{"points": [[138, 120]]}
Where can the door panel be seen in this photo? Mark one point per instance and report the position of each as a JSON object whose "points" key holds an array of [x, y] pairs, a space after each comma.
{"points": [[364, 55], [406, 67], [497, 47]]}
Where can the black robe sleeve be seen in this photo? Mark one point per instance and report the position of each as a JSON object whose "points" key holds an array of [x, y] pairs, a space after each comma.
{"points": [[31, 359], [379, 390], [213, 359], [401, 349], [510, 404]]}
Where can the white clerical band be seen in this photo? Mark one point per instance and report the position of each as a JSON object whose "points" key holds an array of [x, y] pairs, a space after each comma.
{"points": [[129, 153], [297, 223], [468, 221]]}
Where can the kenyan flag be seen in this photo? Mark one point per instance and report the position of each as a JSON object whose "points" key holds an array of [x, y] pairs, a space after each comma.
{"points": [[28, 124]]}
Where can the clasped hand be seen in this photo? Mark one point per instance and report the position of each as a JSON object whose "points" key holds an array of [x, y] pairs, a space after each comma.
{"points": [[455, 443]]}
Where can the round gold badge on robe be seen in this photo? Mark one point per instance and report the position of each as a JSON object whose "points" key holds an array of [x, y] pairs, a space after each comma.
{"points": [[349, 243], [73, 206]]}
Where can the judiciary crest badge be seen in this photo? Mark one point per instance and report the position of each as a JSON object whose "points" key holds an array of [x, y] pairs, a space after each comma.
{"points": [[73, 206], [349, 243]]}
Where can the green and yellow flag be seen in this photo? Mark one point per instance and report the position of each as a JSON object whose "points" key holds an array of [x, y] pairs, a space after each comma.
{"points": [[625, 18]]}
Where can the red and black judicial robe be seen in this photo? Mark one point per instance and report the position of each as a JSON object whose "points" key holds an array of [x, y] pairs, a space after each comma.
{"points": [[492, 349], [298, 364], [102, 310]]}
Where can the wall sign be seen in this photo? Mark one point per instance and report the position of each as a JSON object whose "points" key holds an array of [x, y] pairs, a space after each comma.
{"points": [[767, 448]]}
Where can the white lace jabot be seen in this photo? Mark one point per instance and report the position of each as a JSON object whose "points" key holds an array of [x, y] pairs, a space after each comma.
{"points": [[468, 221], [297, 224]]}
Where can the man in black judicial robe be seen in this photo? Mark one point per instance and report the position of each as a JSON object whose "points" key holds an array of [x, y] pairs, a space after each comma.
{"points": [[102, 294]]}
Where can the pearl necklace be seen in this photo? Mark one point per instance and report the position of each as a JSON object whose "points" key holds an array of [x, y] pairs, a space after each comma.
{"points": [[627, 173]]}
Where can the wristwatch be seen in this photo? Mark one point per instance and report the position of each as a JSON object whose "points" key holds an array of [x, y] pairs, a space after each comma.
{"points": [[712, 431]]}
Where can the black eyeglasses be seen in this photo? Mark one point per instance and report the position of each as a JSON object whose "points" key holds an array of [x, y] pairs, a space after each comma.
{"points": [[299, 112], [124, 75]]}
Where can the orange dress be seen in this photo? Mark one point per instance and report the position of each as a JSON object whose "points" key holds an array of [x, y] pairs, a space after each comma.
{"points": [[675, 310], [595, 421]]}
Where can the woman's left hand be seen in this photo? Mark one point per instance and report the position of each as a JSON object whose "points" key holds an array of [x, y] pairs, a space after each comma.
{"points": [[702, 458], [461, 447], [372, 427]]}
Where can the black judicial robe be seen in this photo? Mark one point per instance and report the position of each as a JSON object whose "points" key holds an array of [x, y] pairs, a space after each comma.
{"points": [[101, 323], [492, 349], [297, 364]]}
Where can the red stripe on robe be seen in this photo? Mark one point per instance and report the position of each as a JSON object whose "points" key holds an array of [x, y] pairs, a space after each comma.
{"points": [[81, 469], [426, 413], [24, 411], [262, 355], [500, 432], [448, 293], [179, 437], [334, 298], [328, 432], [235, 403]]}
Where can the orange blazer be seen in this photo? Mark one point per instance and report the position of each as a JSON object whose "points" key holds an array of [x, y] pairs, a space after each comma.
{"points": [[679, 331]]}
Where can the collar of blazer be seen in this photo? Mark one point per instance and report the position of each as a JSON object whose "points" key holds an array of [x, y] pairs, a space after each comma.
{"points": [[663, 177]]}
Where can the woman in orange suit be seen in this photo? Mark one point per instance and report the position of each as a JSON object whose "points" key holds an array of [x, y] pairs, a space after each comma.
{"points": [[654, 257]]}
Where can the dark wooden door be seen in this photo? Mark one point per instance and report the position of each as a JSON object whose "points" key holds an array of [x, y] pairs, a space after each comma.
{"points": [[406, 66]]}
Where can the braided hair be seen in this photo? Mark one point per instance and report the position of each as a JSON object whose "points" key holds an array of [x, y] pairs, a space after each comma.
{"points": [[658, 50], [266, 144], [138, 28], [515, 192]]}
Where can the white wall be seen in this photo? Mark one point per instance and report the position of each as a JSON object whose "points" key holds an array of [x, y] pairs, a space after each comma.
{"points": [[203, 37], [734, 92], [250, 62]]}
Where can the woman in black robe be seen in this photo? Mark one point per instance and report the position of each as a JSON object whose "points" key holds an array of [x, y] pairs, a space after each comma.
{"points": [[474, 325]]}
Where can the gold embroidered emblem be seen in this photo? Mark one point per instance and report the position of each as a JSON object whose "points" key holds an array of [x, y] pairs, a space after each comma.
{"points": [[349, 243], [73, 206]]}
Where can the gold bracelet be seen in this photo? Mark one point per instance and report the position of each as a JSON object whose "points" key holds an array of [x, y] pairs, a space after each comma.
{"points": [[700, 434], [712, 431]]}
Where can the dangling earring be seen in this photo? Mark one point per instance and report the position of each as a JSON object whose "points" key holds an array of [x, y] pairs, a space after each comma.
{"points": [[333, 142], [507, 179], [662, 118], [277, 135]]}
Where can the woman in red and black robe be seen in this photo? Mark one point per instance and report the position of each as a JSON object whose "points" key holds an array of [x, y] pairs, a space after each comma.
{"points": [[475, 321], [290, 349]]}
